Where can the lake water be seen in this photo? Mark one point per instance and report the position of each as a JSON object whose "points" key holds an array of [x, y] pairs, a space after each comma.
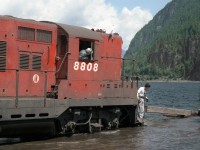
{"points": [[160, 132]]}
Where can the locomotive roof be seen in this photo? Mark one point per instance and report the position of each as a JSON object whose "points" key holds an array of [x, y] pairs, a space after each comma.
{"points": [[72, 31], [26, 20], [75, 31]]}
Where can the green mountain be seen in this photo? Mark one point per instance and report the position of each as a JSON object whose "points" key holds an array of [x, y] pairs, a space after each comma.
{"points": [[168, 47]]}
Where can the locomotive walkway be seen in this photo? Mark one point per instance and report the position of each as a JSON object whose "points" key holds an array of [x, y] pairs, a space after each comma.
{"points": [[171, 112]]}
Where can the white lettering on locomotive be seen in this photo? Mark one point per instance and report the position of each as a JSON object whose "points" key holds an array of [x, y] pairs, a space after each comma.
{"points": [[36, 78], [85, 67]]}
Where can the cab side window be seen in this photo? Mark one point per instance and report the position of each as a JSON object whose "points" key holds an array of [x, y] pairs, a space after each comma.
{"points": [[86, 50]]}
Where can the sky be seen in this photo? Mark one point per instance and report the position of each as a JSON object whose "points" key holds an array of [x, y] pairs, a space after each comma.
{"points": [[125, 17]]}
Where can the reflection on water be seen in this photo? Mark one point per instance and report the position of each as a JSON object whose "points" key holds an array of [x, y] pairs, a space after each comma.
{"points": [[172, 133], [160, 132], [163, 134]]}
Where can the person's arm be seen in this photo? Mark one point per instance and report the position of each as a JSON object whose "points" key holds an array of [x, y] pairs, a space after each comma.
{"points": [[146, 99], [138, 93]]}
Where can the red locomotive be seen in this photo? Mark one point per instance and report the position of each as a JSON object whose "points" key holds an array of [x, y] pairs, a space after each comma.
{"points": [[47, 88]]}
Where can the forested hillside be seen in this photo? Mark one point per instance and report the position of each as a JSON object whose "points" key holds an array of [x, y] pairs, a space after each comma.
{"points": [[168, 47]]}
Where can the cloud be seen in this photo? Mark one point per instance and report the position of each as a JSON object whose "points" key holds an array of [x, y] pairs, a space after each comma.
{"points": [[87, 13], [131, 21]]}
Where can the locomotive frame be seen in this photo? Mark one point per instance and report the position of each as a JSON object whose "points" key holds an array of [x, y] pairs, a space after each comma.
{"points": [[46, 89]]}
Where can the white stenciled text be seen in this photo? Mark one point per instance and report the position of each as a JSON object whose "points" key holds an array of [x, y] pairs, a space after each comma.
{"points": [[85, 67]]}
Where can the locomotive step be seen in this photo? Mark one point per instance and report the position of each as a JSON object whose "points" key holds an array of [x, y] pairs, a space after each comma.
{"points": [[96, 125]]}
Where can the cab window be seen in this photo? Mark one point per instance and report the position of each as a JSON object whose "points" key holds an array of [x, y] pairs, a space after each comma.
{"points": [[86, 50]]}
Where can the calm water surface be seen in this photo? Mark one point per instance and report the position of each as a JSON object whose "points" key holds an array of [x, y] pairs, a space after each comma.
{"points": [[160, 132]]}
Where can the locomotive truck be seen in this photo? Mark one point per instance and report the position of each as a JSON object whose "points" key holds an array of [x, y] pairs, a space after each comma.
{"points": [[46, 89]]}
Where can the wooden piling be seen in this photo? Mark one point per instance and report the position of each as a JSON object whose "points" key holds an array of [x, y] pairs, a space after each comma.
{"points": [[173, 112]]}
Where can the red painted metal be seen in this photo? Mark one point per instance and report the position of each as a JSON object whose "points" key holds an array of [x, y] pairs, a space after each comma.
{"points": [[96, 78], [43, 78], [28, 84]]}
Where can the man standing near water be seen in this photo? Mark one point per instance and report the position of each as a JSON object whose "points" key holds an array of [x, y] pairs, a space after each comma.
{"points": [[141, 96]]}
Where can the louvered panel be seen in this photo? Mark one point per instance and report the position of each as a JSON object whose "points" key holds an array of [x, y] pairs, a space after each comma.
{"points": [[44, 36], [25, 33], [24, 61], [3, 49], [36, 62]]}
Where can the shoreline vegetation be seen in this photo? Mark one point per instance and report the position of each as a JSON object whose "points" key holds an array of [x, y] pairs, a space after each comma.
{"points": [[176, 81], [168, 46]]}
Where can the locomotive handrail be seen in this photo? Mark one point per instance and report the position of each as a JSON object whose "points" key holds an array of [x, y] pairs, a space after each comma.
{"points": [[31, 70], [123, 59], [117, 58], [17, 83], [62, 61]]}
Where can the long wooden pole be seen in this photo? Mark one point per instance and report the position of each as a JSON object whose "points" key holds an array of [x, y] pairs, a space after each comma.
{"points": [[171, 111]]}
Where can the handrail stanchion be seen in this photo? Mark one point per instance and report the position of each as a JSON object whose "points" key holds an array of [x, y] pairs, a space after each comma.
{"points": [[123, 72], [45, 89], [17, 88]]}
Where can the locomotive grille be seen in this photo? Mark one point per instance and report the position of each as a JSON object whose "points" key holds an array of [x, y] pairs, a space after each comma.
{"points": [[36, 62], [44, 36], [24, 61], [3, 47], [26, 33]]}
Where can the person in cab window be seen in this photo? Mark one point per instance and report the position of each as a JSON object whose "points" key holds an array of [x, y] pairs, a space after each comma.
{"points": [[85, 54], [141, 96]]}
